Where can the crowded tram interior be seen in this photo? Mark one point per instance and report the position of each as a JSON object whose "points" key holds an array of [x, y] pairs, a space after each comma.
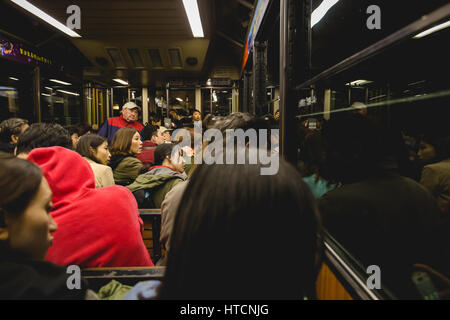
{"points": [[224, 150]]}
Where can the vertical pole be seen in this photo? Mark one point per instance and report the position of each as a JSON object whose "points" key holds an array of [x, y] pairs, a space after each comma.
{"points": [[198, 99], [259, 78], [37, 77], [144, 104]]}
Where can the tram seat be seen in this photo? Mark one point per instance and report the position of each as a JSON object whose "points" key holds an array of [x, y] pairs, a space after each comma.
{"points": [[98, 277], [328, 287], [152, 231]]}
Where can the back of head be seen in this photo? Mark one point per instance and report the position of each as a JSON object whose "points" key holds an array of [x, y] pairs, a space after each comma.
{"points": [[121, 142], [161, 152], [67, 173], [40, 135], [353, 148], [148, 131], [224, 240], [9, 127]]}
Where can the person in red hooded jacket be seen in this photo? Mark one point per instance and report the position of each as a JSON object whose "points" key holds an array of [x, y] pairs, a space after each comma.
{"points": [[96, 227]]}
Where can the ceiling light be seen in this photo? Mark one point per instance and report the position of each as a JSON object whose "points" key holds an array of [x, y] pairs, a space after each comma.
{"points": [[68, 92], [191, 8], [358, 82], [321, 11], [48, 88], [12, 78], [434, 29], [60, 82], [179, 99], [45, 94], [41, 14], [121, 81]]}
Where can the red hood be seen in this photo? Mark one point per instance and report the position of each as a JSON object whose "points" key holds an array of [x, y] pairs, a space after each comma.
{"points": [[68, 174]]}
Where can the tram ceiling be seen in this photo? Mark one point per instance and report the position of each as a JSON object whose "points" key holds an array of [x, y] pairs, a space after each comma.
{"points": [[149, 41]]}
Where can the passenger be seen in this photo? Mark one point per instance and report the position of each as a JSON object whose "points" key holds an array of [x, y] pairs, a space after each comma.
{"points": [[172, 200], [155, 119], [74, 135], [124, 148], [166, 133], [128, 118], [277, 115], [40, 135], [26, 233], [313, 156], [436, 176], [359, 108], [10, 130], [196, 115], [380, 217], [96, 227], [161, 178], [224, 241], [94, 149], [152, 138]]}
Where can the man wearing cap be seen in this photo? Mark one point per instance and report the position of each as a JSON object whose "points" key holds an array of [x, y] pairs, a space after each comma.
{"points": [[128, 118], [166, 133]]}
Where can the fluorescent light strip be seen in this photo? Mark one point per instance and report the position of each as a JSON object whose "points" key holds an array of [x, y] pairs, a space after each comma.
{"points": [[45, 94], [50, 20], [121, 81], [179, 99], [48, 88], [12, 78], [191, 8], [61, 82], [434, 29], [321, 11], [68, 92]]}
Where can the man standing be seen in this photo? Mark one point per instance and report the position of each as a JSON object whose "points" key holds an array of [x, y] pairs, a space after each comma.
{"points": [[128, 118]]}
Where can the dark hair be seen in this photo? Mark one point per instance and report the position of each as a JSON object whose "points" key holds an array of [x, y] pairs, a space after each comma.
{"points": [[196, 110], [9, 127], [224, 242], [149, 131], [40, 135], [19, 182], [72, 129], [357, 149], [162, 151], [89, 141], [440, 142], [121, 142]]}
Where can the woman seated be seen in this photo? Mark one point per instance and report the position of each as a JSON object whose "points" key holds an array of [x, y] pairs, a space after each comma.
{"points": [[94, 149], [435, 154], [96, 227], [161, 178], [125, 145], [227, 239], [26, 229]]}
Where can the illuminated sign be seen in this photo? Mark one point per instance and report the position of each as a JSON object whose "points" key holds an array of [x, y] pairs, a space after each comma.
{"points": [[16, 51]]}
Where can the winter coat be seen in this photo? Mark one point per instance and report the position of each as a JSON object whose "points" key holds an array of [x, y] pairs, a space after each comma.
{"points": [[158, 181], [436, 178], [112, 125], [96, 227], [103, 174], [147, 156], [125, 168]]}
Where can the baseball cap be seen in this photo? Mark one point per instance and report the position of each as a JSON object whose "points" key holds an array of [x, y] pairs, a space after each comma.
{"points": [[164, 129], [131, 105]]}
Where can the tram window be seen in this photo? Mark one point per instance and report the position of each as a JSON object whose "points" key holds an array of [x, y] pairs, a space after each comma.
{"points": [[376, 115], [60, 101], [343, 29]]}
